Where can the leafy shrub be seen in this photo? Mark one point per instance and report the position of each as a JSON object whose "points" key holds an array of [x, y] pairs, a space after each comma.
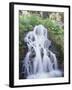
{"points": [[55, 32]]}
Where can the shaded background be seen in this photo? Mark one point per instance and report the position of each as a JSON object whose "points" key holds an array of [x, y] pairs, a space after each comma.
{"points": [[54, 22]]}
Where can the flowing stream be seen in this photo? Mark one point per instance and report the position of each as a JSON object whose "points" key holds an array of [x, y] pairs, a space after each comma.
{"points": [[39, 61]]}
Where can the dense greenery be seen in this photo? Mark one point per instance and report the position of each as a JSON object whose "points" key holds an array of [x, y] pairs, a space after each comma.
{"points": [[55, 33]]}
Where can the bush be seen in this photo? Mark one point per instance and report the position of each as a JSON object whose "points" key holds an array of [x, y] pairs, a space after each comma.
{"points": [[55, 32]]}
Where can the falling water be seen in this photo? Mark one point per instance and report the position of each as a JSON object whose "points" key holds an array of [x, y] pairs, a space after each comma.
{"points": [[39, 62]]}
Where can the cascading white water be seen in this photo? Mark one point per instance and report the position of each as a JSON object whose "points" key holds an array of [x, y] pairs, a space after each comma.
{"points": [[43, 64]]}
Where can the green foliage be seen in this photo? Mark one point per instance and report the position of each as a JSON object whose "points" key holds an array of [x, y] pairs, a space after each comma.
{"points": [[55, 32]]}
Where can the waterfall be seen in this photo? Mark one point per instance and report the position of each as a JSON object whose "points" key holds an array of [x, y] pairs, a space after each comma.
{"points": [[44, 63]]}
